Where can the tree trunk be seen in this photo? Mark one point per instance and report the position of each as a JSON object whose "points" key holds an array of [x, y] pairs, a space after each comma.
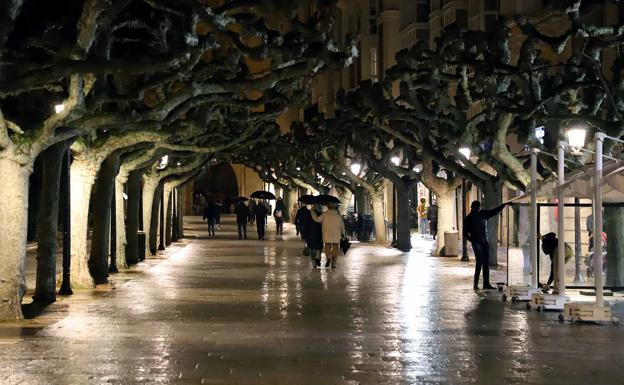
{"points": [[47, 223], [290, 198], [34, 198], [132, 225], [13, 231], [493, 198], [404, 237], [362, 201], [175, 217], [154, 219], [181, 205], [100, 242], [615, 246], [345, 198], [120, 223], [168, 214], [378, 216], [149, 190], [445, 218], [82, 177]]}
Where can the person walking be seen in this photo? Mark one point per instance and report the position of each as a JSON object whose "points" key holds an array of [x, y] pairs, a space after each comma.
{"points": [[242, 217], [219, 211], [252, 210], [293, 217], [210, 213], [422, 217], [278, 214], [333, 230], [313, 234], [432, 217], [261, 213], [475, 230]]}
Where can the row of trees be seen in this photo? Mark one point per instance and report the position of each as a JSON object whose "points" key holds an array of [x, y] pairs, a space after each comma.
{"points": [[122, 85]]}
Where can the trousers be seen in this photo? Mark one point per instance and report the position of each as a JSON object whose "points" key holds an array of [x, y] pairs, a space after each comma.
{"points": [[482, 255], [242, 230], [260, 228]]}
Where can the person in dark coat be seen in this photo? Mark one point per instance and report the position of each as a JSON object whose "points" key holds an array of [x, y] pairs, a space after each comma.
{"points": [[260, 214], [279, 214], [242, 217], [475, 230], [313, 236], [210, 213], [432, 217], [302, 217]]}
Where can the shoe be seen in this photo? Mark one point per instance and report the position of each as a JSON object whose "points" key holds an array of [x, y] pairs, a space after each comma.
{"points": [[475, 287], [488, 287]]}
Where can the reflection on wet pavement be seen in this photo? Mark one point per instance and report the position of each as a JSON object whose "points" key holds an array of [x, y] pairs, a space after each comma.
{"points": [[224, 311]]}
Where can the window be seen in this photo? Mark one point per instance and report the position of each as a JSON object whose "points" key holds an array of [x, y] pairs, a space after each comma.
{"points": [[373, 63], [422, 11], [490, 23], [490, 6], [461, 18]]}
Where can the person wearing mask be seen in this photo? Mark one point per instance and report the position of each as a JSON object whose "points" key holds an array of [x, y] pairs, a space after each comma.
{"points": [[422, 216], [475, 231], [333, 231], [210, 213], [261, 213], [242, 217]]}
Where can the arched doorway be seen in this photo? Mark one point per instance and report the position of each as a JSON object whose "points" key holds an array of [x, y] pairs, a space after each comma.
{"points": [[217, 183]]}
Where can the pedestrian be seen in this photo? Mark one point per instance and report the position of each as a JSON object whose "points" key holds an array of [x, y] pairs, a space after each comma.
{"points": [[333, 230], [261, 213], [313, 234], [210, 213], [293, 217], [475, 231], [303, 218], [550, 244], [219, 211], [422, 217], [242, 217], [278, 214], [252, 210], [432, 217], [269, 210]]}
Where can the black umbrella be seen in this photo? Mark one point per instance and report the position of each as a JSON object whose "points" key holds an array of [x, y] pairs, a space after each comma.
{"points": [[307, 199], [345, 245], [325, 199], [263, 195]]}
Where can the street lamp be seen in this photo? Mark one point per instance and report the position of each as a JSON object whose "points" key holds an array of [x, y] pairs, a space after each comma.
{"points": [[356, 168], [396, 160], [465, 151], [576, 138], [58, 108]]}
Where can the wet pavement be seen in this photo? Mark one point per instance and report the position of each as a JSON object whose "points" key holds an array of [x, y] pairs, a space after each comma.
{"points": [[224, 311]]}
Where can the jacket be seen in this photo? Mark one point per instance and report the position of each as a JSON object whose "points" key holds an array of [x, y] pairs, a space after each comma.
{"points": [[332, 225], [211, 211], [312, 232], [261, 212], [475, 224], [242, 213], [432, 213]]}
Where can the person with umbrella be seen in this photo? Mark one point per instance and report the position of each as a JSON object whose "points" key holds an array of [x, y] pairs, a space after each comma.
{"points": [[332, 226], [252, 211], [242, 217], [278, 214], [261, 212]]}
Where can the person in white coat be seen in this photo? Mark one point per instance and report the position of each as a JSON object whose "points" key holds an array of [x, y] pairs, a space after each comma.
{"points": [[333, 229]]}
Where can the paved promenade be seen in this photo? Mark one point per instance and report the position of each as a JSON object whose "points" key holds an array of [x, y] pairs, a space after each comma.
{"points": [[223, 311]]}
